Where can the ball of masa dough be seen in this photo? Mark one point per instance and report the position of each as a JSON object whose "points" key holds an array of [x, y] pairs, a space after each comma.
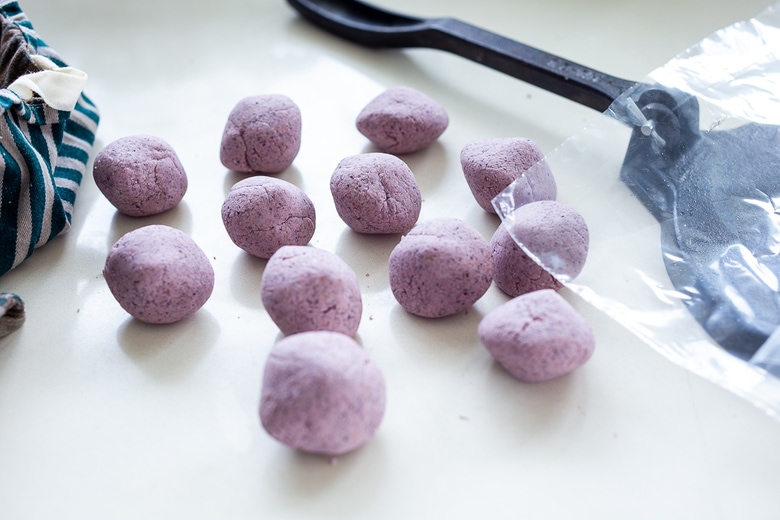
{"points": [[537, 336], [376, 193], [440, 268], [304, 288], [321, 393], [490, 165], [262, 134], [158, 274], [554, 233], [262, 214], [402, 120], [140, 175]]}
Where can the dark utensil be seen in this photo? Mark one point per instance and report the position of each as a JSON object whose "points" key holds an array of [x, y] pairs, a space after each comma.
{"points": [[716, 194], [373, 27]]}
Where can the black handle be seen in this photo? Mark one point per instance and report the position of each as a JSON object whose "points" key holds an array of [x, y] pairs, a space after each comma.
{"points": [[552, 73], [373, 27]]}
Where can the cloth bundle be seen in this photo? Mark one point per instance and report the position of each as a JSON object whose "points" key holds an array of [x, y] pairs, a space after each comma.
{"points": [[47, 130]]}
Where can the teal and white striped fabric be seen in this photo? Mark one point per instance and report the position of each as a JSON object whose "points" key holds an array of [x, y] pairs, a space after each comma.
{"points": [[43, 150]]}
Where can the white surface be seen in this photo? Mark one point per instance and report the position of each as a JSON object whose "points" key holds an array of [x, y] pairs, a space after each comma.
{"points": [[104, 417]]}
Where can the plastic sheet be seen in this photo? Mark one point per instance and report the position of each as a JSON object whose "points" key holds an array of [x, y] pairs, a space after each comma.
{"points": [[680, 187]]}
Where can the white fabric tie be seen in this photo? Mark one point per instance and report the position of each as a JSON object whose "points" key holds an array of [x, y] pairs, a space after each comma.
{"points": [[59, 87]]}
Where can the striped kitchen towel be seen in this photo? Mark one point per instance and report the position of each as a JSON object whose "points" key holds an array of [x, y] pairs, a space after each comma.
{"points": [[47, 130]]}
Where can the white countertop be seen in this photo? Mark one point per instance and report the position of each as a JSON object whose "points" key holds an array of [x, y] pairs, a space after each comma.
{"points": [[104, 417]]}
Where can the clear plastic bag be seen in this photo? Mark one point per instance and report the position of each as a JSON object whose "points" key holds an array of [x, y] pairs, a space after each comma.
{"points": [[680, 187]]}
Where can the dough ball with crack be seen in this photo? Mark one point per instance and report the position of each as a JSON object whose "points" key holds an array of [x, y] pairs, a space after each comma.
{"points": [[262, 214], [376, 193], [306, 288], [262, 134]]}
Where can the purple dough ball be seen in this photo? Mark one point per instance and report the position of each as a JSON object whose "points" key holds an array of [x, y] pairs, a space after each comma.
{"points": [[554, 233], [262, 135], [321, 393], [158, 274], [402, 120], [306, 289], [514, 272], [262, 214], [537, 336], [140, 175], [491, 165], [376, 193], [442, 267]]}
